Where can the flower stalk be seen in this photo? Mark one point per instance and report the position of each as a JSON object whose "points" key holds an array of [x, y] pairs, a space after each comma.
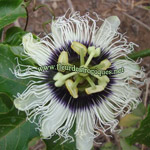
{"points": [[140, 54]]}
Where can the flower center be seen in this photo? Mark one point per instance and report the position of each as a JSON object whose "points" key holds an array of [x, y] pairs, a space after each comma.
{"points": [[83, 79]]}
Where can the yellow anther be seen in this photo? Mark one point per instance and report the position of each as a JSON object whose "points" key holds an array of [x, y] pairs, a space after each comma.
{"points": [[63, 57], [72, 90], [92, 53], [105, 64], [78, 47], [61, 81], [96, 52], [103, 81], [98, 88], [58, 76]]}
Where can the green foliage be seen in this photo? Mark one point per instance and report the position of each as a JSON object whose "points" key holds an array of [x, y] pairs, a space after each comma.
{"points": [[133, 118], [10, 11], [5, 103], [127, 132], [55, 144], [11, 49], [8, 80], [129, 120], [15, 131], [126, 146], [13, 39], [142, 134], [147, 7], [108, 146], [140, 110], [14, 36]]}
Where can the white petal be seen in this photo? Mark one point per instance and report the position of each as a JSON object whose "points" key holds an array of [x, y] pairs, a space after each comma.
{"points": [[107, 31], [26, 71], [37, 50], [32, 97], [123, 98], [75, 28], [84, 143], [85, 130], [57, 35], [131, 69], [126, 90], [53, 119], [106, 116]]}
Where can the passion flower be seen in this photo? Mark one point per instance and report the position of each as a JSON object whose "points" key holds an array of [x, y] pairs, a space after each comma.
{"points": [[57, 99]]}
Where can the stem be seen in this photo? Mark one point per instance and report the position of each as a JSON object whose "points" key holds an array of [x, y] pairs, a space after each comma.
{"points": [[27, 20], [44, 25], [43, 5], [89, 59], [81, 57], [77, 81], [140, 54], [2, 35], [96, 76], [68, 75], [91, 82]]}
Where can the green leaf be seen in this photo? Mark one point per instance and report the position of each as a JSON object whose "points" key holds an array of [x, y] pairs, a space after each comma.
{"points": [[108, 146], [142, 134], [10, 11], [140, 110], [147, 7], [5, 103], [14, 36], [8, 80], [14, 40], [15, 131], [7, 6], [126, 146], [129, 120], [53, 144], [127, 132]]}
